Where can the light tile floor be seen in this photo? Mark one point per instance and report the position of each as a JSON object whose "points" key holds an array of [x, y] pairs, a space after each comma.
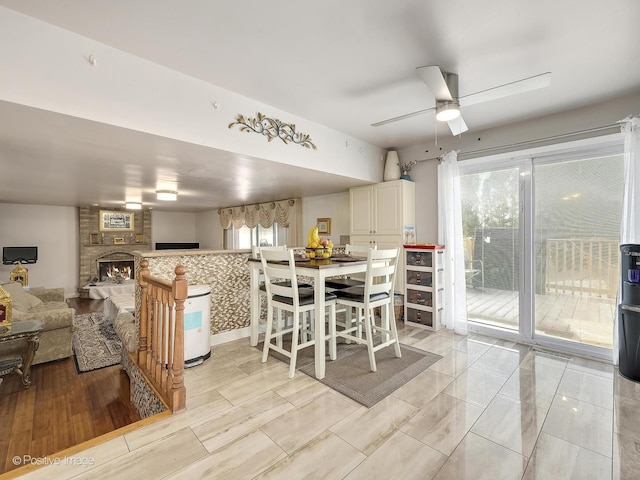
{"points": [[488, 410]]}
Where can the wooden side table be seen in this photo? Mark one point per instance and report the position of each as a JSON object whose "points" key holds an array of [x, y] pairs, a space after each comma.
{"points": [[18, 347]]}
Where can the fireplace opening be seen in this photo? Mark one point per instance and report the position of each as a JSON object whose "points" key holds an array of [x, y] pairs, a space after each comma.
{"points": [[115, 270]]}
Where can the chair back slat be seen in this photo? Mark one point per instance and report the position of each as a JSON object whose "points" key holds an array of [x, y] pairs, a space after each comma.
{"points": [[358, 250], [381, 272], [255, 250], [275, 273]]}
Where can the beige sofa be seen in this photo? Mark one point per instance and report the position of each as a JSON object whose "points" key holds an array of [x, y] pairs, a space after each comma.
{"points": [[45, 304]]}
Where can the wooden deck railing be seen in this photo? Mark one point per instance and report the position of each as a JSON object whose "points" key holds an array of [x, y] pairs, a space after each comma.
{"points": [[575, 266], [587, 267], [161, 335]]}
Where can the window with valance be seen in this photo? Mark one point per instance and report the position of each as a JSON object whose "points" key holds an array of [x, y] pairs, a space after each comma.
{"points": [[285, 213]]}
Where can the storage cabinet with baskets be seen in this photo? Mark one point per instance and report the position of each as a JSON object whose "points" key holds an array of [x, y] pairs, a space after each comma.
{"points": [[423, 298]]}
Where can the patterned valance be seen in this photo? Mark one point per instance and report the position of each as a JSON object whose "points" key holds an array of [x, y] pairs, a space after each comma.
{"points": [[282, 212]]}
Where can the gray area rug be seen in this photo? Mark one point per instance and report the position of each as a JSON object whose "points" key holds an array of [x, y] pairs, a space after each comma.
{"points": [[351, 375], [95, 343]]}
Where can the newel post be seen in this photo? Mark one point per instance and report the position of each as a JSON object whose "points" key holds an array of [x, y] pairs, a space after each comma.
{"points": [[144, 320], [180, 292]]}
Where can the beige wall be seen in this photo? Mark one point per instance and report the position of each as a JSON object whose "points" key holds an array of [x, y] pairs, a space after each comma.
{"points": [[173, 227], [54, 230], [335, 207]]}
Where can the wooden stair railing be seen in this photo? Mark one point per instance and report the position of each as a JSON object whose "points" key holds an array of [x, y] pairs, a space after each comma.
{"points": [[161, 335]]}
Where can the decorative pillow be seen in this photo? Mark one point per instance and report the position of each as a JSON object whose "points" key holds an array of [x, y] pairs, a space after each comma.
{"points": [[21, 300]]}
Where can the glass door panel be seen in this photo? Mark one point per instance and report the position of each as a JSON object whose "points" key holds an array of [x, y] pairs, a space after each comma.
{"points": [[491, 231], [577, 214]]}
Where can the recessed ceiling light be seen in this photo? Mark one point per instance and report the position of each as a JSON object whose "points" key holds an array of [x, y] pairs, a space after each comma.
{"points": [[167, 195], [133, 206]]}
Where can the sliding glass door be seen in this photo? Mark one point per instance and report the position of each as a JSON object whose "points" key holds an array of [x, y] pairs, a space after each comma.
{"points": [[541, 236], [491, 230]]}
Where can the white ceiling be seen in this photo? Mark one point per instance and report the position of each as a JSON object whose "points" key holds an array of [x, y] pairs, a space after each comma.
{"points": [[343, 64]]}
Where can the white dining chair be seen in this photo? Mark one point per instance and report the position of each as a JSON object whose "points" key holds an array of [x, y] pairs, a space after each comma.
{"points": [[285, 295], [346, 282], [377, 291], [255, 252], [255, 249]]}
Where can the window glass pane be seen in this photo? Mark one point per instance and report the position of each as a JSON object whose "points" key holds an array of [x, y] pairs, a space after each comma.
{"points": [[244, 237], [578, 210], [266, 236], [490, 224]]}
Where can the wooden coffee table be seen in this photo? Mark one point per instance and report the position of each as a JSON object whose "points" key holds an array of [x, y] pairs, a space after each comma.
{"points": [[18, 346]]}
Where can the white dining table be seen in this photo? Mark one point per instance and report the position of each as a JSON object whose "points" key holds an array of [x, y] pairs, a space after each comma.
{"points": [[319, 271]]}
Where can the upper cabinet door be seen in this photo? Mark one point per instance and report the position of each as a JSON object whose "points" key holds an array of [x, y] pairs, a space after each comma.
{"points": [[362, 199], [388, 208], [383, 208]]}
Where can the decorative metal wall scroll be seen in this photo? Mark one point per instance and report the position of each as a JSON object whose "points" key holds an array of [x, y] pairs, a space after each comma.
{"points": [[273, 128]]}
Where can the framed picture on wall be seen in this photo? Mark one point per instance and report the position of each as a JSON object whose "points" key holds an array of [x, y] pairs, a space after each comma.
{"points": [[111, 221], [324, 226]]}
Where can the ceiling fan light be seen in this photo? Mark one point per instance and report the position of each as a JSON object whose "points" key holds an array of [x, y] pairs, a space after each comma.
{"points": [[133, 206], [166, 195], [447, 111]]}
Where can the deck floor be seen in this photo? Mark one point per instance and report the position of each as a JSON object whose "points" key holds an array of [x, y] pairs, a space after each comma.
{"points": [[580, 318]]}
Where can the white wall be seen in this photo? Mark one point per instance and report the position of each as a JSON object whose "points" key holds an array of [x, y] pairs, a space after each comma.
{"points": [[147, 97], [172, 227], [55, 231], [334, 206], [208, 230]]}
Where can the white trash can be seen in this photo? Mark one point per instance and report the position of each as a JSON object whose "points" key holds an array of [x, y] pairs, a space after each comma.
{"points": [[197, 318]]}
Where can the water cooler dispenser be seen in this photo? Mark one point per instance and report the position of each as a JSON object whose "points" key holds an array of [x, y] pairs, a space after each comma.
{"points": [[197, 318], [629, 313]]}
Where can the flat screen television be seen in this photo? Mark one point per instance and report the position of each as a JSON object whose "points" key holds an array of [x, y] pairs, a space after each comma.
{"points": [[11, 255], [176, 245]]}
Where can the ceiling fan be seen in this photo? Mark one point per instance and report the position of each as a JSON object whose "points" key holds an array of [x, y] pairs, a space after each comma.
{"points": [[444, 87]]}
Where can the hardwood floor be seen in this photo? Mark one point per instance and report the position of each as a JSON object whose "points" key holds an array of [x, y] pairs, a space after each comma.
{"points": [[61, 408]]}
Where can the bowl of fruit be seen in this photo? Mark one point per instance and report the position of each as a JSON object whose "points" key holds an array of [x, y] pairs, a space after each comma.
{"points": [[318, 247]]}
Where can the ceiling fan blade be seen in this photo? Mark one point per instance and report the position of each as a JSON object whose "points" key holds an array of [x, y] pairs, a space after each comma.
{"points": [[508, 89], [402, 117], [457, 126], [434, 78]]}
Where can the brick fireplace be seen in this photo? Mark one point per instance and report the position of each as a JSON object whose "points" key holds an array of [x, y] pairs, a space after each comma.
{"points": [[98, 248]]}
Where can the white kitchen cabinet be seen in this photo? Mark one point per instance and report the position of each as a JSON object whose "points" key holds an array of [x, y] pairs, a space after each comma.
{"points": [[424, 290], [382, 208], [379, 214]]}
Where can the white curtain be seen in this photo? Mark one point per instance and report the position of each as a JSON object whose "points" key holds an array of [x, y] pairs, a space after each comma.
{"points": [[267, 214], [252, 215], [630, 228], [450, 235], [282, 212]]}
